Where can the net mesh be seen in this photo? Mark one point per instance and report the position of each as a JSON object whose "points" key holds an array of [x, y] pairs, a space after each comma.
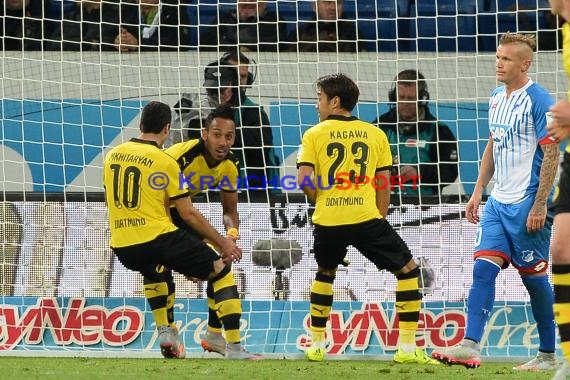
{"points": [[62, 110]]}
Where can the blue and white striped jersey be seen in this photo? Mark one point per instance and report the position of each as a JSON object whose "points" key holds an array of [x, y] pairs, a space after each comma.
{"points": [[518, 126]]}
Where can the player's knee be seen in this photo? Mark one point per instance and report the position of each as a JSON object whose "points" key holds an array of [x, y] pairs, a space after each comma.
{"points": [[153, 278], [559, 249], [220, 270], [409, 267], [327, 272], [415, 272], [497, 260], [485, 271], [539, 270]]}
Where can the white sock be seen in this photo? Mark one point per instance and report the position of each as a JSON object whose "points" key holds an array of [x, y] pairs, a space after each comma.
{"points": [[214, 334], [408, 348], [471, 344], [321, 344], [233, 346]]}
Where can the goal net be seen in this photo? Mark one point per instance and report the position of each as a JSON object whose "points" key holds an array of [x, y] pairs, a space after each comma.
{"points": [[64, 107]]}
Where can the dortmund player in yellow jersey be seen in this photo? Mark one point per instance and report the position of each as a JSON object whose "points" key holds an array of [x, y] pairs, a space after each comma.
{"points": [[344, 167], [559, 127], [140, 182], [208, 163]]}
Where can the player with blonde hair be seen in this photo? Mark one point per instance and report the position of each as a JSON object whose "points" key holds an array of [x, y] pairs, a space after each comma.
{"points": [[515, 227]]}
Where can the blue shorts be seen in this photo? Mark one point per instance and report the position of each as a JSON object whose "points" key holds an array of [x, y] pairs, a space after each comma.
{"points": [[502, 232]]}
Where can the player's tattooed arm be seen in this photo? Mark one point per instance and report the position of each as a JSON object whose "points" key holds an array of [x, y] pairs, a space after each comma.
{"points": [[548, 171], [537, 215]]}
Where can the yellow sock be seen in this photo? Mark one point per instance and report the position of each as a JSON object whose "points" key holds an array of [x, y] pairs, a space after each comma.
{"points": [[318, 335], [408, 303], [561, 282], [321, 305], [407, 334], [157, 296], [228, 305], [170, 309]]}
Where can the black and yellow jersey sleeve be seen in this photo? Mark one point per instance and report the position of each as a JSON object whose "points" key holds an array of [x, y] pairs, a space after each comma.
{"points": [[198, 175]]}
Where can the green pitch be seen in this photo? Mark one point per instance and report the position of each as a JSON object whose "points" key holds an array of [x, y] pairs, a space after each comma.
{"points": [[211, 369]]}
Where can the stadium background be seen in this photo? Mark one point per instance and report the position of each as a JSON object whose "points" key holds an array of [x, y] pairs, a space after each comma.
{"points": [[61, 112]]}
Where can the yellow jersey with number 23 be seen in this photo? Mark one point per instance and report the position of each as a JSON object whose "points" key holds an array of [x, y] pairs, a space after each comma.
{"points": [[345, 153]]}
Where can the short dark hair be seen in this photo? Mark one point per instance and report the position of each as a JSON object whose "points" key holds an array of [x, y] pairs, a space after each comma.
{"points": [[412, 78], [235, 56], [155, 116], [342, 86], [408, 78], [223, 111], [216, 76]]}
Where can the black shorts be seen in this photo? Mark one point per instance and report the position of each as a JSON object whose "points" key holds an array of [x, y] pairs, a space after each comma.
{"points": [[177, 250], [375, 239], [561, 203]]}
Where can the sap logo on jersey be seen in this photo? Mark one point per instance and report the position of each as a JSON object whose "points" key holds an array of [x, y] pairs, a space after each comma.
{"points": [[497, 132]]}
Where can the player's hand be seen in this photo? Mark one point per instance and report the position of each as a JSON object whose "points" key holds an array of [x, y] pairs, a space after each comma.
{"points": [[472, 209], [561, 111], [558, 131], [125, 41], [559, 126], [231, 253], [407, 172], [536, 218]]}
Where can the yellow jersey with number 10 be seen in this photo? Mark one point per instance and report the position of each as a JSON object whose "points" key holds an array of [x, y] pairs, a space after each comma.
{"points": [[139, 178]]}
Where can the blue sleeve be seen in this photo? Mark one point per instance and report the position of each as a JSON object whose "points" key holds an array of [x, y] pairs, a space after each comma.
{"points": [[541, 103]]}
